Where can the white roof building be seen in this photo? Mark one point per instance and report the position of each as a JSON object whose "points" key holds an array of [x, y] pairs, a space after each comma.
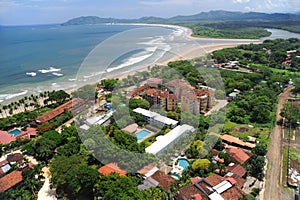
{"points": [[162, 142], [153, 116]]}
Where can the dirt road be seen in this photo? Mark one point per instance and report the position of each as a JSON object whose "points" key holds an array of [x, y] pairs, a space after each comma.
{"points": [[273, 180]]}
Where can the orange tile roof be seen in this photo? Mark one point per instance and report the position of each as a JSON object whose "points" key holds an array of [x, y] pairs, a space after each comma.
{"points": [[238, 154], [138, 90], [235, 140], [10, 180], [110, 168]]}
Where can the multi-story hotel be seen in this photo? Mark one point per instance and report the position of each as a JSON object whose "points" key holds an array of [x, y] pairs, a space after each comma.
{"points": [[177, 91]]}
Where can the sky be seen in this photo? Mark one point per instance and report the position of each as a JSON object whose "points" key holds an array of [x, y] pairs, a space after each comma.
{"points": [[22, 12]]}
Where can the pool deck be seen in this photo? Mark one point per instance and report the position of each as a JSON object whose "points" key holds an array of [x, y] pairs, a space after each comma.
{"points": [[150, 135]]}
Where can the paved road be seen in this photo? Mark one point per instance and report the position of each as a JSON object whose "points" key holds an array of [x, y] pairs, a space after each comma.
{"points": [[221, 104], [273, 179]]}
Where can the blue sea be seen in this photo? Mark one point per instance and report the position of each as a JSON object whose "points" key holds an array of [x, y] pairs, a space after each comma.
{"points": [[48, 57]]}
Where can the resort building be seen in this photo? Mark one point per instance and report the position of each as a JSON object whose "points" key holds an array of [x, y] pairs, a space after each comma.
{"points": [[163, 142], [8, 137], [71, 106], [192, 100], [153, 117], [163, 99]]}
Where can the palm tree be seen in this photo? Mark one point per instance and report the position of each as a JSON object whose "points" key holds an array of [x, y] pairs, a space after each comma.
{"points": [[5, 109]]}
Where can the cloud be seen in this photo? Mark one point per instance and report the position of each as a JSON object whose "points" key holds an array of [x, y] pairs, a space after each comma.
{"points": [[167, 2], [241, 1]]}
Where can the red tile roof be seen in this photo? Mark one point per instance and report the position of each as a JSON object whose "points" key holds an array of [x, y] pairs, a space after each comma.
{"points": [[234, 193], [10, 180], [188, 192], [238, 154], [6, 138], [164, 180], [194, 180], [110, 168], [4, 162], [138, 90], [231, 180], [59, 110], [237, 169]]}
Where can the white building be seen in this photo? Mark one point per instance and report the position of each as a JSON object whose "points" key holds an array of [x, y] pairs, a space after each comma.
{"points": [[155, 117], [163, 142]]}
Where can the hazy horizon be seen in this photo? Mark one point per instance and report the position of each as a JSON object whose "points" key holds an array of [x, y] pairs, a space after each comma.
{"points": [[31, 12]]}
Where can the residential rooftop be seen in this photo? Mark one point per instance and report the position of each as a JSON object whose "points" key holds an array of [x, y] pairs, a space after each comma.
{"points": [[10, 180], [110, 168]]}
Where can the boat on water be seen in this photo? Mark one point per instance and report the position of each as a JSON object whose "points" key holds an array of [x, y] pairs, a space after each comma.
{"points": [[31, 74]]}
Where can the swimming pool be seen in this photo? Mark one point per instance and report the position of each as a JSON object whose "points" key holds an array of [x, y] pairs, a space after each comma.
{"points": [[15, 132], [182, 162], [142, 134]]}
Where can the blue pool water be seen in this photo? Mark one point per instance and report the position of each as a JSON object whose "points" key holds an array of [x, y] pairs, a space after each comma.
{"points": [[15, 132], [142, 134], [182, 162]]}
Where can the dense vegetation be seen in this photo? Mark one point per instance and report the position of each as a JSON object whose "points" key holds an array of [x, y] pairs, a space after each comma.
{"points": [[238, 33]]}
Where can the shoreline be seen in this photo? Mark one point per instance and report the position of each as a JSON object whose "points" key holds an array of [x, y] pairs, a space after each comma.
{"points": [[187, 54]]}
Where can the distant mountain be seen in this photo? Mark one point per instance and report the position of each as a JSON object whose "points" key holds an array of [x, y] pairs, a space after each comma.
{"points": [[217, 15], [221, 15]]}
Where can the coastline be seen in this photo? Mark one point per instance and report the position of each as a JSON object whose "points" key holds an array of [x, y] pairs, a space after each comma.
{"points": [[187, 54]]}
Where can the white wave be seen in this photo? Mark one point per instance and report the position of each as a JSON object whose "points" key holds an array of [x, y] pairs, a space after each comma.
{"points": [[50, 69], [151, 49], [72, 79], [30, 73], [53, 84], [92, 75], [57, 74], [131, 61], [4, 97]]}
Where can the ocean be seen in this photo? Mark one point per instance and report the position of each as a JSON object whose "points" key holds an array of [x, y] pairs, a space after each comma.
{"points": [[49, 57]]}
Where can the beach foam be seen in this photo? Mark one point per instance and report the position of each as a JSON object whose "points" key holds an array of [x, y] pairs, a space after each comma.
{"points": [[57, 74], [131, 61], [4, 97], [49, 70]]}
